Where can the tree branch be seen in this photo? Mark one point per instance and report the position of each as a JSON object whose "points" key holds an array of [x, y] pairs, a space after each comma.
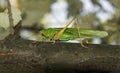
{"points": [[18, 55], [10, 17]]}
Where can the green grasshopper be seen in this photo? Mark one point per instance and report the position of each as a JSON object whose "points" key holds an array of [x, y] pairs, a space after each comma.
{"points": [[64, 34]]}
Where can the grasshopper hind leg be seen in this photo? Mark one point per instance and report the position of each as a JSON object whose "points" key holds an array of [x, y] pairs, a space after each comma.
{"points": [[78, 30], [81, 43], [58, 34]]}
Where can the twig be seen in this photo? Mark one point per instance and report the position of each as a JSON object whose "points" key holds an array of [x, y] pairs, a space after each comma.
{"points": [[10, 17], [7, 53]]}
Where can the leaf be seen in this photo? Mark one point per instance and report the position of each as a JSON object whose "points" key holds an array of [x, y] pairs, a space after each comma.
{"points": [[4, 20], [4, 33]]}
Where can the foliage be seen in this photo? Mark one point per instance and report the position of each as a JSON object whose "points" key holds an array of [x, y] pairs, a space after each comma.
{"points": [[4, 21], [91, 21], [34, 10]]}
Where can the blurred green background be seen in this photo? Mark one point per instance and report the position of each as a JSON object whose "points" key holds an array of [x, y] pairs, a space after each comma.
{"points": [[93, 14]]}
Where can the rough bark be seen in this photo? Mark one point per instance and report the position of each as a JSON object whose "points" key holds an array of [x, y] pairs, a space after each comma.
{"points": [[23, 56]]}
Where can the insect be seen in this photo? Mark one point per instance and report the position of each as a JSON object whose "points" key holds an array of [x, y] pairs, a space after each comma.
{"points": [[64, 34]]}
